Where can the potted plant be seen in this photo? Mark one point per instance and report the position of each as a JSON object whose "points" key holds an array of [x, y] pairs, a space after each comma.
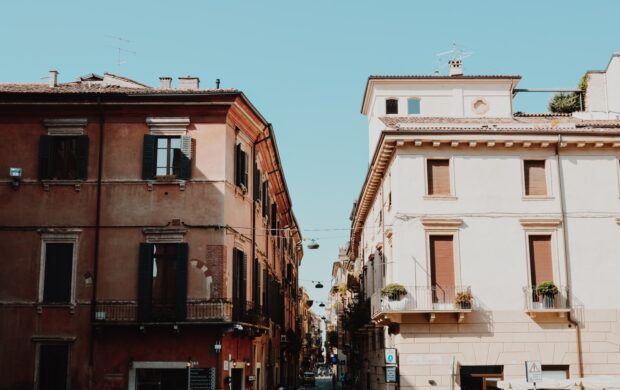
{"points": [[393, 291], [548, 291], [463, 299], [393, 297]]}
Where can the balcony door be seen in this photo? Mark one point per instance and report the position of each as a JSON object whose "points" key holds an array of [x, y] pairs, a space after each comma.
{"points": [[541, 268], [442, 268]]}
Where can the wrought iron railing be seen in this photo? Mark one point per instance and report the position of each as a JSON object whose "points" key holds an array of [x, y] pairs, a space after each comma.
{"points": [[534, 301], [424, 299]]}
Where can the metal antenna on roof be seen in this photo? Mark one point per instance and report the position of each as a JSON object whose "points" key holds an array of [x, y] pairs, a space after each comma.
{"points": [[120, 50], [456, 53]]}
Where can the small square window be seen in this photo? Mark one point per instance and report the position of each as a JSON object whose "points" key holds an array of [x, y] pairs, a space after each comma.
{"points": [[391, 106], [413, 106]]}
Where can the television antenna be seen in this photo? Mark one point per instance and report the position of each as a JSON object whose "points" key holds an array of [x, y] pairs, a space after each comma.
{"points": [[456, 53], [120, 50]]}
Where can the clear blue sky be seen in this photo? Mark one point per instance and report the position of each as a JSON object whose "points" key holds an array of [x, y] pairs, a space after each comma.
{"points": [[304, 65]]}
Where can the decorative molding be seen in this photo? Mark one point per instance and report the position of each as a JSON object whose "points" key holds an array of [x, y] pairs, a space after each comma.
{"points": [[65, 126], [442, 223], [168, 125], [540, 223], [164, 235], [52, 339]]}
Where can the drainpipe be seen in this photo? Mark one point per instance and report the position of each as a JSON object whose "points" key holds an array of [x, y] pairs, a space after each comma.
{"points": [[566, 254], [93, 305]]}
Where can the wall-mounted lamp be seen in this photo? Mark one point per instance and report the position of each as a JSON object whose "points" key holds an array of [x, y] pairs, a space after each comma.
{"points": [[16, 176], [234, 363], [321, 304], [218, 346]]}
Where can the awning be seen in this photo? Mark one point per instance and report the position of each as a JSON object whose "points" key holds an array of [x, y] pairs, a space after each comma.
{"points": [[521, 384], [600, 382]]}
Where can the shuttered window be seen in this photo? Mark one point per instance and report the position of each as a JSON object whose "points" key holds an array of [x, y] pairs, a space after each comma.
{"points": [[442, 268], [438, 176], [540, 259], [535, 178], [241, 167], [63, 158], [239, 284], [162, 282], [274, 219], [391, 106], [58, 274], [256, 184], [166, 157], [53, 366], [265, 198]]}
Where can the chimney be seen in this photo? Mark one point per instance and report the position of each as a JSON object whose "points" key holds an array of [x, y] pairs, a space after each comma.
{"points": [[53, 78], [456, 68], [189, 82], [165, 82]]}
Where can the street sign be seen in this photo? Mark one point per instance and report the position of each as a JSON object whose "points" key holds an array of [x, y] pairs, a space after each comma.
{"points": [[533, 371], [390, 356], [390, 374]]}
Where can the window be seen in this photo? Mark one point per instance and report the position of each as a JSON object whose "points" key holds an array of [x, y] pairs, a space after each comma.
{"points": [[413, 106], [239, 284], [438, 177], [535, 178], [167, 157], [241, 167], [265, 194], [53, 367], [555, 371], [540, 259], [442, 268], [63, 158], [256, 183], [58, 273], [480, 377], [391, 106], [162, 285]]}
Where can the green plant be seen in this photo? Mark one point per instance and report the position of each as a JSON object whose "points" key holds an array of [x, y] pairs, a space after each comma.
{"points": [[342, 289], [393, 291], [464, 298], [547, 288], [566, 103]]}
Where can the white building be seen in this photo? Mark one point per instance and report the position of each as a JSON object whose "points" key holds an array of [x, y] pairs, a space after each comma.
{"points": [[463, 196]]}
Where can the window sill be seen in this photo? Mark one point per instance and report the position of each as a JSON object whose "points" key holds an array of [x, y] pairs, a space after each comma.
{"points": [[53, 183], [49, 305], [166, 181], [536, 197], [440, 197]]}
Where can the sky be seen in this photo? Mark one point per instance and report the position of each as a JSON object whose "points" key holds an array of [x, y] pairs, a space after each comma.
{"points": [[304, 65]]}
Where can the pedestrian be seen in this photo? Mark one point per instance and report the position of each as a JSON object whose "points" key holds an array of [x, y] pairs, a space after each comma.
{"points": [[334, 381]]}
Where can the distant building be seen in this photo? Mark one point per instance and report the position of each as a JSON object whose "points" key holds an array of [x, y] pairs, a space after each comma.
{"points": [[144, 231], [473, 211]]}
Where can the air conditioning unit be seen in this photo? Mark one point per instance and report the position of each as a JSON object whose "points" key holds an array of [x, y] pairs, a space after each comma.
{"points": [[283, 339]]}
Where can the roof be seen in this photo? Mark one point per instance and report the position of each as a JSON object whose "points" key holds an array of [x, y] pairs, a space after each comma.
{"points": [[372, 78], [80, 88]]}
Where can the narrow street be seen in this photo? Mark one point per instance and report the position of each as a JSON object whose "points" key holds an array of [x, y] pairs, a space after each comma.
{"points": [[323, 383]]}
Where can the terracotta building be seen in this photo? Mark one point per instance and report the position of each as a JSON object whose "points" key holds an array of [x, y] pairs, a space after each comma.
{"points": [[168, 207]]}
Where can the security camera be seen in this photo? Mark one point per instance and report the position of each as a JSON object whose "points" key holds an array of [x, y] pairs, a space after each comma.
{"points": [[238, 327]]}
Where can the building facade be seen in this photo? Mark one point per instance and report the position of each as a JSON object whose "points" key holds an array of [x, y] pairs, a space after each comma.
{"points": [[148, 239], [487, 238]]}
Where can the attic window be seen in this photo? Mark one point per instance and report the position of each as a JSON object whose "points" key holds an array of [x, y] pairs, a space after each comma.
{"points": [[413, 106], [391, 106]]}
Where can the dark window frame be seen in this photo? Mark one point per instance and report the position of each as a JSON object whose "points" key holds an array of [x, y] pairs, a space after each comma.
{"points": [[391, 106], [39, 364], [171, 169], [47, 292], [63, 157]]}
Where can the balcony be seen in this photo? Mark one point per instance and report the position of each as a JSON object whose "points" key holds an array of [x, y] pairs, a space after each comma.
{"points": [[197, 311], [429, 300], [537, 303]]}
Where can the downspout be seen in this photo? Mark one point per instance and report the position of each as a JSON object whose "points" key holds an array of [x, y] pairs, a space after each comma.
{"points": [[93, 303], [566, 255]]}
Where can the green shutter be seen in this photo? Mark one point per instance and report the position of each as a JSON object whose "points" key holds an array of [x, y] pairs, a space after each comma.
{"points": [[185, 169], [46, 143], [181, 285], [145, 282], [244, 169], [244, 278], [237, 164], [82, 157], [149, 157], [256, 182]]}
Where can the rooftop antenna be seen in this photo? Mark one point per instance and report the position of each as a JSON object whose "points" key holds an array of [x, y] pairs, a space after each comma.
{"points": [[456, 53], [120, 50]]}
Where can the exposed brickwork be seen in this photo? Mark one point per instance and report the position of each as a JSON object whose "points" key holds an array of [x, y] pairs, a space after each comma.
{"points": [[216, 264]]}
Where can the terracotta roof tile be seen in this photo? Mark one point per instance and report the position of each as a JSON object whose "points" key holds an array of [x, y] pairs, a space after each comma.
{"points": [[442, 77], [76, 87]]}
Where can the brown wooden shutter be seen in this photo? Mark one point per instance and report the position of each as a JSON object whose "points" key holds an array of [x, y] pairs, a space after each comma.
{"points": [[438, 174], [535, 178], [540, 259], [442, 267]]}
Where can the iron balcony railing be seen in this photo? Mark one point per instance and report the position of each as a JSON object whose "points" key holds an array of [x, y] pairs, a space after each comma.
{"points": [[423, 299], [197, 310], [533, 301]]}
